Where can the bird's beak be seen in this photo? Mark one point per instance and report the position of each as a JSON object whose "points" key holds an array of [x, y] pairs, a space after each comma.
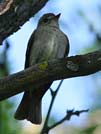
{"points": [[58, 16]]}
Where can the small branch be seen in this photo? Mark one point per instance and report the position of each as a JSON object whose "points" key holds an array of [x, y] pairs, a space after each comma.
{"points": [[53, 94], [69, 114], [46, 72], [16, 12], [5, 6]]}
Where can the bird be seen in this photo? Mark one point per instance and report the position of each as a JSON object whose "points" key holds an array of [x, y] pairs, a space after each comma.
{"points": [[47, 42]]}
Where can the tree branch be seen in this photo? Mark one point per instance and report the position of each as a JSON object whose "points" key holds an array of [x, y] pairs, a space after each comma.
{"points": [[53, 94], [14, 13], [68, 116], [47, 71]]}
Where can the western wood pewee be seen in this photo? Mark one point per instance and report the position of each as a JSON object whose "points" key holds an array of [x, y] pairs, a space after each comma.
{"points": [[47, 42]]}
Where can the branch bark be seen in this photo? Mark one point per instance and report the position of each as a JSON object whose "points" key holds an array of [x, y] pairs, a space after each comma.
{"points": [[14, 13], [47, 71]]}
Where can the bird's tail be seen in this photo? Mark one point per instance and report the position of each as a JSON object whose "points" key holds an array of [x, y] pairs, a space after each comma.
{"points": [[29, 108]]}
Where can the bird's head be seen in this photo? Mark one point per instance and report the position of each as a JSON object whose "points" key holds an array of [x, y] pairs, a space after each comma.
{"points": [[49, 19]]}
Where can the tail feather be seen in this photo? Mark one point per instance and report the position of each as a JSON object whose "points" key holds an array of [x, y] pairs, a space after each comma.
{"points": [[29, 108], [35, 113], [23, 108]]}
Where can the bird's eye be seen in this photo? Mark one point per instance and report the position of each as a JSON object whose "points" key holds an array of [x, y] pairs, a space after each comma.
{"points": [[45, 20]]}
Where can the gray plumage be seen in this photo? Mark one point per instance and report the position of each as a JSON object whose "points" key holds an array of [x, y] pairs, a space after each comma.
{"points": [[47, 42]]}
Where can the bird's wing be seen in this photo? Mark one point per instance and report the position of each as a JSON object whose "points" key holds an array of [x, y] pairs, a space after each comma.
{"points": [[30, 43], [67, 47]]}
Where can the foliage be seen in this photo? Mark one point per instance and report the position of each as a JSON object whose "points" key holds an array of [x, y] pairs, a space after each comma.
{"points": [[8, 125]]}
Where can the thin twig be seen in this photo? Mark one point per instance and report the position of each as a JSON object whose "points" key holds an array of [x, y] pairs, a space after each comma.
{"points": [[67, 117], [45, 129]]}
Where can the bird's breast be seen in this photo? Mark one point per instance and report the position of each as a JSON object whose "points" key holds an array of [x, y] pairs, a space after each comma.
{"points": [[49, 43]]}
